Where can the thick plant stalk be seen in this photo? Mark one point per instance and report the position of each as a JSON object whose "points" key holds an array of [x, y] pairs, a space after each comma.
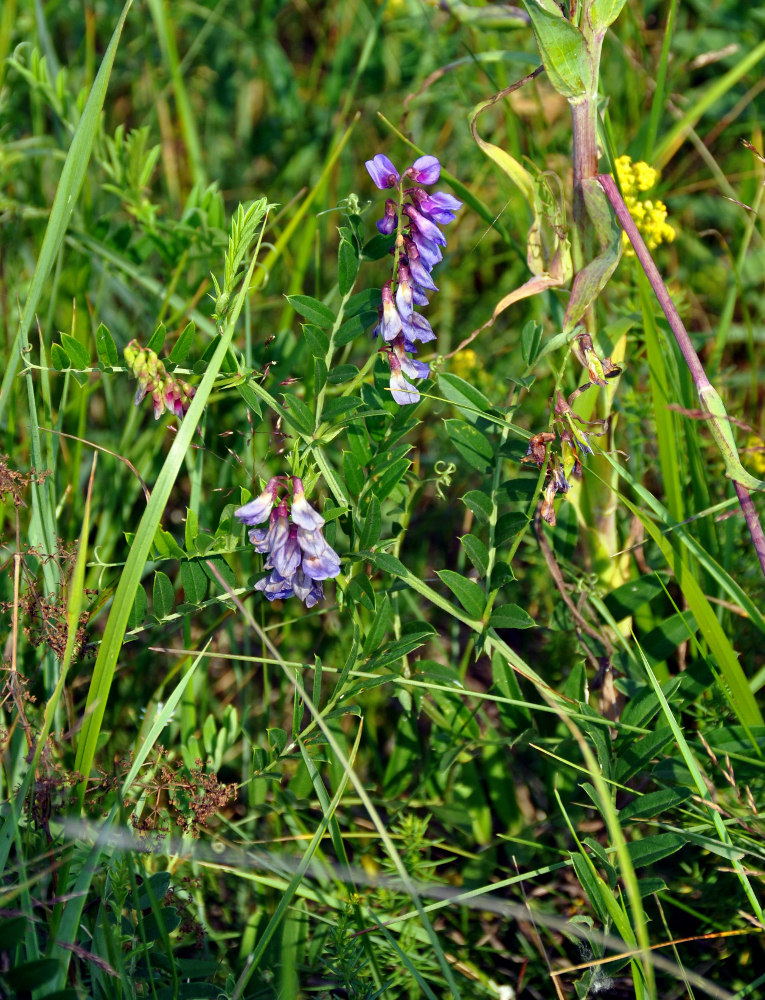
{"points": [[708, 395]]}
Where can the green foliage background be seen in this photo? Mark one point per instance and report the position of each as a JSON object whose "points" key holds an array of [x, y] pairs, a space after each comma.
{"points": [[417, 788]]}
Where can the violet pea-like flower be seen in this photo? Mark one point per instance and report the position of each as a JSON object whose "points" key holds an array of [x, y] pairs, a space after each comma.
{"points": [[390, 324], [389, 221], [303, 513], [257, 510], [402, 391], [422, 224], [439, 206], [424, 170], [382, 172]]}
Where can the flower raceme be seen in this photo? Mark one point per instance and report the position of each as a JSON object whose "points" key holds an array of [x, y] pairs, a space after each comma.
{"points": [[167, 392], [415, 217], [298, 556]]}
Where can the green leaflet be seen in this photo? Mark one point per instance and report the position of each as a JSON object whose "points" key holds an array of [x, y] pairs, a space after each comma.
{"points": [[564, 51]]}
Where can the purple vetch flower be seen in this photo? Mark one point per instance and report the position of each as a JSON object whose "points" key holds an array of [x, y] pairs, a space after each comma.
{"points": [[402, 391], [297, 555], [389, 221], [424, 170], [424, 226], [275, 587], [309, 591], [404, 294], [415, 218], [410, 366], [257, 510], [303, 513], [285, 555], [439, 207], [321, 567], [390, 324], [382, 172]]}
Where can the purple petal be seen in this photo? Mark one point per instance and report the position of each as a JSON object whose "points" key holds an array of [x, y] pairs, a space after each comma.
{"points": [[312, 543], [259, 539], [425, 170], [423, 225], [303, 513], [404, 293], [308, 590], [421, 330], [275, 587], [323, 567], [390, 325], [421, 275], [430, 252], [382, 172], [415, 369], [286, 554], [257, 510]]}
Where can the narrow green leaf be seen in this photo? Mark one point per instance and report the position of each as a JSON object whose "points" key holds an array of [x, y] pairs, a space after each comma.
{"points": [[477, 551], [106, 348], [163, 595], [380, 626], [511, 616], [78, 354], [471, 443], [354, 326], [191, 530], [347, 266], [480, 504], [354, 475], [298, 414], [465, 396], [467, 592], [317, 340], [182, 346], [312, 310], [59, 357], [372, 526], [157, 339], [194, 582]]}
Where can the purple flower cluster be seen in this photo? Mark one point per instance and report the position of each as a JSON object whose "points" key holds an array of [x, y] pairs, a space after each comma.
{"points": [[298, 556], [415, 217]]}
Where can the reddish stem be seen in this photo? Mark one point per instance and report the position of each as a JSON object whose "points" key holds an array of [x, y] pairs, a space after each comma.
{"points": [[683, 340]]}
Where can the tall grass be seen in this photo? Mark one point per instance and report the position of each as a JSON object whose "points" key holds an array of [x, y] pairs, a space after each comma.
{"points": [[502, 757]]}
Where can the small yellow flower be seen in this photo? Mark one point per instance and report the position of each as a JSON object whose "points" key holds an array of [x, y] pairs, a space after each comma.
{"points": [[650, 215], [465, 363]]}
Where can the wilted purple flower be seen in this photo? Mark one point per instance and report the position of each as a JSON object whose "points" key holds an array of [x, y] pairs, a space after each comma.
{"points": [[382, 172]]}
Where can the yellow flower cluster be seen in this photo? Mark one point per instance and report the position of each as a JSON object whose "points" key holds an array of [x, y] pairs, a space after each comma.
{"points": [[650, 215]]}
